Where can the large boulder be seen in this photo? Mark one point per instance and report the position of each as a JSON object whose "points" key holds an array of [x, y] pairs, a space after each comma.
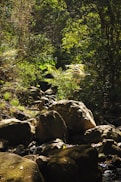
{"points": [[15, 168], [77, 116], [50, 125], [101, 132], [77, 163], [15, 131]]}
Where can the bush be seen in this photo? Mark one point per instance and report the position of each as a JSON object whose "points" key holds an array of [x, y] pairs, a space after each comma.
{"points": [[67, 81]]}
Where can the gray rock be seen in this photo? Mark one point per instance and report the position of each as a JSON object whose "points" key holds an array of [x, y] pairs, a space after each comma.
{"points": [[109, 146]]}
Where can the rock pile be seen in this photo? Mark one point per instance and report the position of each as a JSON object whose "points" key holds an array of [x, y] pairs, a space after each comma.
{"points": [[62, 144]]}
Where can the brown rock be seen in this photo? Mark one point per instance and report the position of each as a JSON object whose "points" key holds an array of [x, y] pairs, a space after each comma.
{"points": [[15, 131], [15, 168], [101, 132], [75, 114], [50, 126], [74, 164]]}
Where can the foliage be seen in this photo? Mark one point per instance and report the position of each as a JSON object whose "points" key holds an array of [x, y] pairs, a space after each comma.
{"points": [[104, 69], [14, 102], [7, 96], [42, 37], [27, 73], [67, 81]]}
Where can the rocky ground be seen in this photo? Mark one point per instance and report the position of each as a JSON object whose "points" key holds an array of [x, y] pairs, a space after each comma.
{"points": [[61, 142]]}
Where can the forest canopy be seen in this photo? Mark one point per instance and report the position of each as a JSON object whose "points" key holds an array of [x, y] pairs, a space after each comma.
{"points": [[77, 42]]}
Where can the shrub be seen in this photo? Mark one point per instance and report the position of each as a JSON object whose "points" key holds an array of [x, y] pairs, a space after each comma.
{"points": [[67, 81]]}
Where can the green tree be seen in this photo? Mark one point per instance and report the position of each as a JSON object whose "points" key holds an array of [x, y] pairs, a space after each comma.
{"points": [[103, 84], [39, 34]]}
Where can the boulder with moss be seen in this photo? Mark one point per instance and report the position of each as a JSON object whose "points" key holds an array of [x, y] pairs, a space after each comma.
{"points": [[15, 168], [76, 163]]}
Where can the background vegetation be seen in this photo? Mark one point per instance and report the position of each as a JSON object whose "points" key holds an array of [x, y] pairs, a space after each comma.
{"points": [[77, 42]]}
